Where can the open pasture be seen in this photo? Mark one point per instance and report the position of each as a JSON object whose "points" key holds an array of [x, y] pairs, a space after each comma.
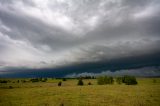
{"points": [[146, 93]]}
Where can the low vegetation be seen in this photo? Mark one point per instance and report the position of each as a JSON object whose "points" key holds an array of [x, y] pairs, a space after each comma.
{"points": [[105, 80], [89, 83], [80, 82], [59, 83], [112, 92], [128, 80], [38, 79]]}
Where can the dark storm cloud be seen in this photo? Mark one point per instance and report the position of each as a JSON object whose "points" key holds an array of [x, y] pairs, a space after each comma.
{"points": [[47, 34], [140, 72]]}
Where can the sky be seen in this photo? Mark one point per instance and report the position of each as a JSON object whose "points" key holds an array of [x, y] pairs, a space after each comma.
{"points": [[79, 37]]}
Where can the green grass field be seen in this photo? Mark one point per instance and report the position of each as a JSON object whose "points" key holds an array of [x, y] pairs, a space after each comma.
{"points": [[146, 93]]}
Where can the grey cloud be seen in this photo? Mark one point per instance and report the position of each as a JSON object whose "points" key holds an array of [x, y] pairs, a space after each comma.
{"points": [[147, 72], [36, 32], [80, 31]]}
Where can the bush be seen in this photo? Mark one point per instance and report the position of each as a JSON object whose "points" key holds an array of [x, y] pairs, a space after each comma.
{"points": [[38, 79], [59, 83], [89, 83], [34, 80], [119, 80], [44, 80], [104, 80], [100, 80], [10, 87], [129, 80], [109, 80], [3, 81], [64, 79], [80, 82]]}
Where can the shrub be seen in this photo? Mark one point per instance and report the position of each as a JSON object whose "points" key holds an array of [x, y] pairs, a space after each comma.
{"points": [[119, 80], [44, 80], [3, 81], [89, 83], [10, 87], [34, 80], [59, 83], [108, 80], [105, 80], [100, 80], [64, 79], [129, 80], [80, 82]]}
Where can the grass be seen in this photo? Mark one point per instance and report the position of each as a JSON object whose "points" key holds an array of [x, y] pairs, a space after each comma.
{"points": [[146, 93]]}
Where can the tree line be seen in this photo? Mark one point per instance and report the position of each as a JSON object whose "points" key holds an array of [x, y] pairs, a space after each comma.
{"points": [[101, 80], [126, 79]]}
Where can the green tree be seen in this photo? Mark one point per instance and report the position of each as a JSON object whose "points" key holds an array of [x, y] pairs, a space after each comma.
{"points": [[105, 80], [44, 80], [89, 83], [59, 83], [129, 80], [80, 82], [64, 79], [119, 80], [100, 80]]}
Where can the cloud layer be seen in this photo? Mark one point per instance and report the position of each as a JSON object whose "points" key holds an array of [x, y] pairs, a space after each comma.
{"points": [[145, 72], [52, 33]]}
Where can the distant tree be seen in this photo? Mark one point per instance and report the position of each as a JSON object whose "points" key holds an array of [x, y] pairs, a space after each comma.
{"points": [[44, 80], [3, 81], [8, 81], [59, 83], [87, 77], [33, 80], [93, 77], [129, 80], [119, 80], [80, 82], [89, 83], [105, 80], [40, 79], [100, 80], [10, 87], [111, 80], [64, 79], [108, 80]]}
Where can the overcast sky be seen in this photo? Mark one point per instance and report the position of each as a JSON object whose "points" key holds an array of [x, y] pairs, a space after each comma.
{"points": [[39, 34]]}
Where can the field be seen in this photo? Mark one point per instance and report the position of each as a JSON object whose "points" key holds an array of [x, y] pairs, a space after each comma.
{"points": [[146, 93]]}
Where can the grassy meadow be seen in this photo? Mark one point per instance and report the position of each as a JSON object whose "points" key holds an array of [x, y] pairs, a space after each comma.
{"points": [[146, 93]]}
